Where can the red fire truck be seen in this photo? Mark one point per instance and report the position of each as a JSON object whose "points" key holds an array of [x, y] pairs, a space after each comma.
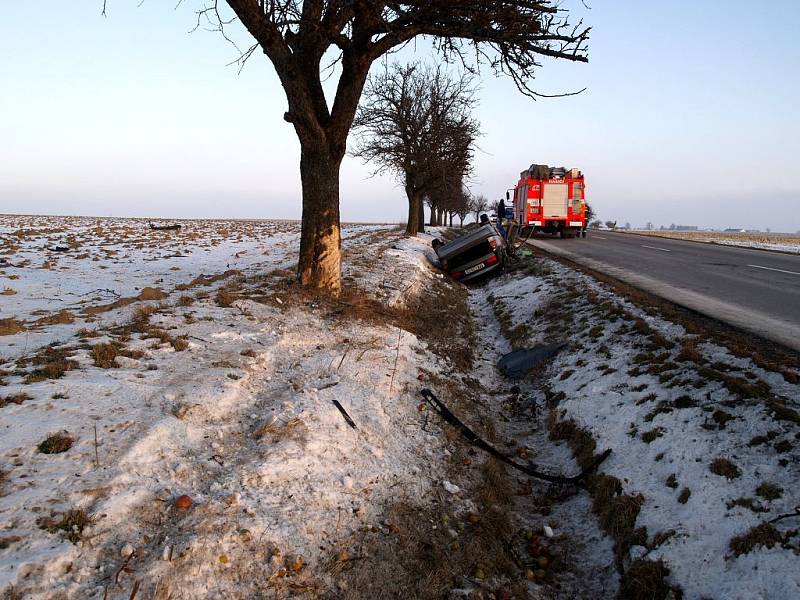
{"points": [[551, 200]]}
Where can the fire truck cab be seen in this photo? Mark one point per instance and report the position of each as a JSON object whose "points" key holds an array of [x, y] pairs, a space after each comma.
{"points": [[551, 200]]}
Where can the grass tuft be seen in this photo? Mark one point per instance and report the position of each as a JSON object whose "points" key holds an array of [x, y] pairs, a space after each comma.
{"points": [[105, 355], [71, 524], [725, 468], [56, 443], [760, 535]]}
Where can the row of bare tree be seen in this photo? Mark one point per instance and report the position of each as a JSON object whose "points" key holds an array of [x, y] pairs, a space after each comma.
{"points": [[300, 36], [415, 122]]}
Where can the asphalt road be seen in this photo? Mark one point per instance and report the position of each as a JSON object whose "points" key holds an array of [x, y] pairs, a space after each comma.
{"points": [[755, 290]]}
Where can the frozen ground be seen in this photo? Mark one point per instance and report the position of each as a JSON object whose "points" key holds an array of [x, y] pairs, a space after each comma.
{"points": [[58, 274], [223, 390], [705, 443]]}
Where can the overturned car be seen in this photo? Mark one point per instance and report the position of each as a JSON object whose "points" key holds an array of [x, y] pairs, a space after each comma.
{"points": [[472, 255]]}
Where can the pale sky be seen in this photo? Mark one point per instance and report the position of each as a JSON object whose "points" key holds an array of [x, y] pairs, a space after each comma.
{"points": [[690, 117]]}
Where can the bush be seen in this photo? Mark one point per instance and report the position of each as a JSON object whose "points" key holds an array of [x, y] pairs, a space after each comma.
{"points": [[105, 355]]}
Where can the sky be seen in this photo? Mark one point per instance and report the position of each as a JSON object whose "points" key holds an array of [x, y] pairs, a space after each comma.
{"points": [[689, 117]]}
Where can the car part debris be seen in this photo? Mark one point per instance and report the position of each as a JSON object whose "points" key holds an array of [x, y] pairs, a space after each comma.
{"points": [[796, 513], [173, 227], [517, 364], [473, 438], [344, 414]]}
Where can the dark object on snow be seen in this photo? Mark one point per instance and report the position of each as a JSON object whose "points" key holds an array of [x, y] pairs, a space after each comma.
{"points": [[517, 364], [472, 255], [344, 414], [173, 227], [60, 249], [796, 513], [473, 438]]}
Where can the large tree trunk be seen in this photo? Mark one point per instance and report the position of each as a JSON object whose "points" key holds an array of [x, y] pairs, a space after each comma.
{"points": [[433, 217], [421, 228], [414, 201], [320, 262]]}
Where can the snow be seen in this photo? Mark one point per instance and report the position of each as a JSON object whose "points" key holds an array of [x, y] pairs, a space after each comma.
{"points": [[186, 422], [111, 258], [616, 408], [243, 421]]}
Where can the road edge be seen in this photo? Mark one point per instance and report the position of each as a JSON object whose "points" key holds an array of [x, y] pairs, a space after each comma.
{"points": [[763, 326]]}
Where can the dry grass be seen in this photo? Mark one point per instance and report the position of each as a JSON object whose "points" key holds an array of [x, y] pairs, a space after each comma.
{"points": [[783, 412], [105, 355], [151, 293], [185, 300], [140, 317], [51, 362], [56, 443], [416, 560], [63, 317], [70, 524], [644, 580], [208, 279], [650, 436], [180, 344], [101, 308], [725, 468], [760, 535], [748, 503], [14, 399], [225, 297], [689, 352], [85, 333], [277, 430], [769, 491], [11, 326]]}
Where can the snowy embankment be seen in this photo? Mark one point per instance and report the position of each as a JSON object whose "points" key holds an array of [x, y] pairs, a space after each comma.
{"points": [[221, 390], [189, 446], [705, 443]]}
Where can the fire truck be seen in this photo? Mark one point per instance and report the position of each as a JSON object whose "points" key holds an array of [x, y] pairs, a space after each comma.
{"points": [[551, 200]]}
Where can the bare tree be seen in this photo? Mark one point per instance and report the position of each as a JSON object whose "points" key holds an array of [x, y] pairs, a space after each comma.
{"points": [[298, 35], [464, 206], [413, 119], [480, 203]]}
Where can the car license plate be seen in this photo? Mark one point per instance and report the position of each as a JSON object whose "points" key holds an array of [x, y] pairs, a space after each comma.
{"points": [[473, 269]]}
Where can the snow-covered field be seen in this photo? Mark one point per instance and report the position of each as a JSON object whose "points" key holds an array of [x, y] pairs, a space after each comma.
{"points": [[705, 443], [222, 388], [782, 242], [240, 417], [61, 274]]}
